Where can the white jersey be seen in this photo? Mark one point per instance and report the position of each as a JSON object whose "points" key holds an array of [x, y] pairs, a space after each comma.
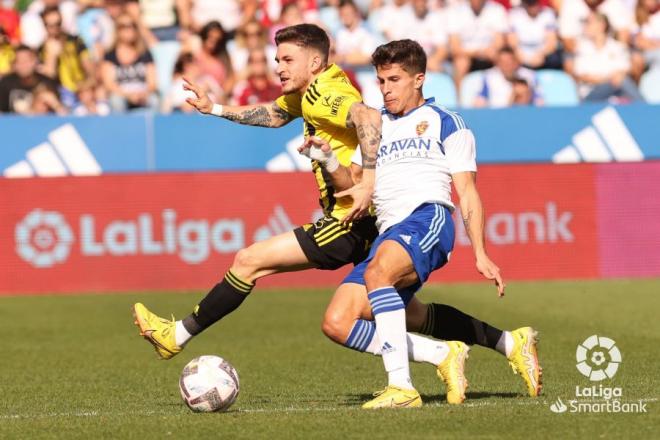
{"points": [[418, 154]]}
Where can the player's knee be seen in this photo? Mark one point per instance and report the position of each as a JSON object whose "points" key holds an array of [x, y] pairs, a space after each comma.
{"points": [[334, 326], [246, 263], [376, 275]]}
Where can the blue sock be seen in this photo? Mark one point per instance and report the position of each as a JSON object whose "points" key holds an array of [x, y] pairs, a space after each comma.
{"points": [[361, 335]]}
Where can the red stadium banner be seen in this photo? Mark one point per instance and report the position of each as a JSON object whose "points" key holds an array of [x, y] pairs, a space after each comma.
{"points": [[181, 230]]}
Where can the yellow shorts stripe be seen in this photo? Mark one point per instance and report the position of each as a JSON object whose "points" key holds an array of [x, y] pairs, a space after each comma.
{"points": [[335, 236], [327, 230], [238, 284]]}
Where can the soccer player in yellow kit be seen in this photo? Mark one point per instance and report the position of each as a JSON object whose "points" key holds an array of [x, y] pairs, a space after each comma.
{"points": [[332, 109]]}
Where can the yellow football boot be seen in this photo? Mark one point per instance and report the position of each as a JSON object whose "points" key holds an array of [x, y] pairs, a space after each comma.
{"points": [[394, 397], [452, 371], [158, 331], [525, 361]]}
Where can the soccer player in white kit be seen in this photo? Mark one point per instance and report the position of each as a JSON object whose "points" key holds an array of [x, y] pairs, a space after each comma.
{"points": [[424, 148]]}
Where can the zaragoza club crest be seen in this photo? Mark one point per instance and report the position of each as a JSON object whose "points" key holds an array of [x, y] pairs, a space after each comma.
{"points": [[421, 128]]}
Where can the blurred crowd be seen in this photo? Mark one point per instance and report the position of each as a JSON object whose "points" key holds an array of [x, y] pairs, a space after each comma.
{"points": [[86, 57]]}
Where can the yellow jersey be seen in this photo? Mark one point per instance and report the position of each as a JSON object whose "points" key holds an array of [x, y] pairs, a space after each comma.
{"points": [[324, 107]]}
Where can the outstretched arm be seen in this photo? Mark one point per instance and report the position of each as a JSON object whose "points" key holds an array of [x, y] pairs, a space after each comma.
{"points": [[262, 115], [473, 218]]}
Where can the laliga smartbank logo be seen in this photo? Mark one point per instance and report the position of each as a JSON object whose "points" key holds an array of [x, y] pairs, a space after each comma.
{"points": [[45, 239], [598, 358]]}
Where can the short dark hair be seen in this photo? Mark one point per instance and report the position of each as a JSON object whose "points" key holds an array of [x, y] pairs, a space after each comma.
{"points": [[408, 53], [25, 48], [305, 35], [50, 10]]}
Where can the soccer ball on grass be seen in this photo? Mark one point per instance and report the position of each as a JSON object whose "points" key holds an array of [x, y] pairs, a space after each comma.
{"points": [[208, 384]]}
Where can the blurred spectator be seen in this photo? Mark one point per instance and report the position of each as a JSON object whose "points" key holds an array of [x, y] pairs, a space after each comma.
{"points": [[95, 28], [354, 43], [573, 16], [522, 93], [10, 20], [91, 100], [45, 101], [329, 16], [6, 53], [160, 17], [187, 67], [393, 20], [429, 28], [533, 35], [291, 15], [129, 74], [259, 86], [251, 36], [498, 86], [648, 38], [602, 64], [272, 10], [226, 12], [213, 57], [63, 56], [476, 33], [33, 32], [17, 88]]}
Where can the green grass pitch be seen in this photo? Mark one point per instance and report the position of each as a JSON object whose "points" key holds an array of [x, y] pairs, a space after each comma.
{"points": [[74, 367]]}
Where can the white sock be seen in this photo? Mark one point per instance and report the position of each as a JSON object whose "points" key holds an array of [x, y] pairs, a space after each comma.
{"points": [[181, 335], [420, 349], [505, 344], [390, 316]]}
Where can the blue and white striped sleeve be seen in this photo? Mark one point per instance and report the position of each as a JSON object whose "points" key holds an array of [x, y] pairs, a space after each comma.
{"points": [[459, 144]]}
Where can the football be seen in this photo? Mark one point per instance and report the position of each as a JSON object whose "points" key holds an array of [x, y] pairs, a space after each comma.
{"points": [[208, 384]]}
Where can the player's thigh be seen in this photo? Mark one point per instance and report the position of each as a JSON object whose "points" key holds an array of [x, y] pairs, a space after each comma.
{"points": [[281, 253], [390, 265], [347, 304]]}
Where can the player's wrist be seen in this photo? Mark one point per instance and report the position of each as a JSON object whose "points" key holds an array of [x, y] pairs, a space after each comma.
{"points": [[331, 164], [217, 109]]}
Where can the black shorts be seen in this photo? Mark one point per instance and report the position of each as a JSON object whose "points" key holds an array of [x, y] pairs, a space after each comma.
{"points": [[331, 245]]}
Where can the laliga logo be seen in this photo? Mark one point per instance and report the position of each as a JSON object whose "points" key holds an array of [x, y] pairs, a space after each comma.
{"points": [[598, 358], [43, 238]]}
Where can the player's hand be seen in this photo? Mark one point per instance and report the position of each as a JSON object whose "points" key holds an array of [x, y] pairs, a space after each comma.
{"points": [[314, 147], [201, 102], [488, 269], [361, 194]]}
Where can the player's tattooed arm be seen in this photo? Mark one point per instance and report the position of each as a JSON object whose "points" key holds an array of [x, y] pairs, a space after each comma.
{"points": [[367, 124], [262, 115]]}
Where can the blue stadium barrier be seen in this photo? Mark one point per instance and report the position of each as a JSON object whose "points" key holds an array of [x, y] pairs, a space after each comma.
{"points": [[146, 142]]}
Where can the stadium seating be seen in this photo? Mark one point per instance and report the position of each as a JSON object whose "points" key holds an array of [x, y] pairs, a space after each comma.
{"points": [[558, 88], [165, 54], [441, 86], [470, 88], [649, 86]]}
